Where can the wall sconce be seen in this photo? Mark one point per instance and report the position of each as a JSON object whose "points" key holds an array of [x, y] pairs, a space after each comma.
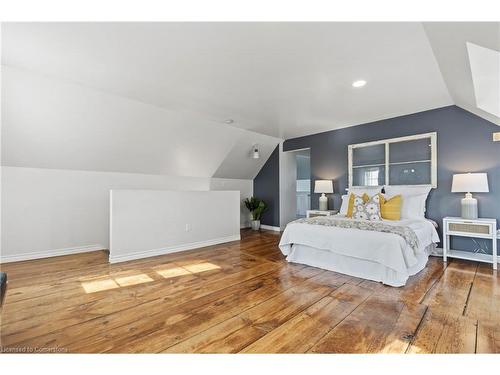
{"points": [[255, 152], [496, 137]]}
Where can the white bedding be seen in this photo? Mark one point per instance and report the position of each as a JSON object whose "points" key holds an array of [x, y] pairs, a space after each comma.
{"points": [[387, 250]]}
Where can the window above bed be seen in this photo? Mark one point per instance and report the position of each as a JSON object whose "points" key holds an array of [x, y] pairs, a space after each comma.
{"points": [[408, 160]]}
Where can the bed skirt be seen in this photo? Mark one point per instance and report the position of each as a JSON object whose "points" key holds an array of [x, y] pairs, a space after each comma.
{"points": [[356, 267]]}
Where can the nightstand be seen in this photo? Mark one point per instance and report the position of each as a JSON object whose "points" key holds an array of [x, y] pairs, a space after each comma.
{"points": [[314, 213], [477, 228]]}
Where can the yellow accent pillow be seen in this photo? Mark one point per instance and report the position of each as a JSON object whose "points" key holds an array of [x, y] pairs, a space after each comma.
{"points": [[350, 207], [391, 209]]}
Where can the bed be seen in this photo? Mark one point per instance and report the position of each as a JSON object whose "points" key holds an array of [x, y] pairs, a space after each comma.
{"points": [[386, 251]]}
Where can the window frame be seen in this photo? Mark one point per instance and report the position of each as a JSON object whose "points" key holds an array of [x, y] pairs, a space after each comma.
{"points": [[387, 143]]}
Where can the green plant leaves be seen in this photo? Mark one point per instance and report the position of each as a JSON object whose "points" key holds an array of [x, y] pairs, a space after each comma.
{"points": [[256, 206]]}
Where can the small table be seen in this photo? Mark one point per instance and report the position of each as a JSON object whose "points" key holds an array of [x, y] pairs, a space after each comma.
{"points": [[314, 213], [478, 228]]}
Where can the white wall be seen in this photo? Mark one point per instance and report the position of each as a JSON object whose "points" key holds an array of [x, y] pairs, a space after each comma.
{"points": [[245, 187], [47, 212], [148, 223], [64, 146]]}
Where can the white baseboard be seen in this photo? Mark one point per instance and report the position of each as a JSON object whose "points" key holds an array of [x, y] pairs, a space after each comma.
{"points": [[270, 227], [50, 253], [171, 249], [438, 252]]}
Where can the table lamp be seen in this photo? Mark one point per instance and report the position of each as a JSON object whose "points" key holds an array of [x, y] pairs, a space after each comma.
{"points": [[323, 186], [467, 183]]}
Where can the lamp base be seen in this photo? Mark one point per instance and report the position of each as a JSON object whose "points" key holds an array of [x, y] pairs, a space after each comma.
{"points": [[469, 207], [323, 203]]}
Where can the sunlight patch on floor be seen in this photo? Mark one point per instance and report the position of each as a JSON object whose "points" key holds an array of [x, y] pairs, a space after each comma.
{"points": [[98, 285], [133, 280], [113, 282], [172, 272], [188, 269], [201, 267]]}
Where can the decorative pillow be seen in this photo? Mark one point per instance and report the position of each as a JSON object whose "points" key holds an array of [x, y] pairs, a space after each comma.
{"points": [[414, 198], [353, 200], [369, 210], [390, 209], [345, 205]]}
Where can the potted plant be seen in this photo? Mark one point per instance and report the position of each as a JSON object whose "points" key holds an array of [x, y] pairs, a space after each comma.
{"points": [[256, 207]]}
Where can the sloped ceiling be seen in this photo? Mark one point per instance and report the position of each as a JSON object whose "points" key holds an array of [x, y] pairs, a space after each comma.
{"points": [[239, 159], [154, 97], [449, 43], [280, 79], [48, 123]]}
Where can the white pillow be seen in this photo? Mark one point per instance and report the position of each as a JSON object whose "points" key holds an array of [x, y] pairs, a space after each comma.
{"points": [[407, 190], [413, 206], [414, 198], [345, 204]]}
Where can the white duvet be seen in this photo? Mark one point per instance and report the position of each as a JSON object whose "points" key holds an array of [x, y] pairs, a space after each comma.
{"points": [[387, 249]]}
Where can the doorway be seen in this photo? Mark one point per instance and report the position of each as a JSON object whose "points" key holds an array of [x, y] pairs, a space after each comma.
{"points": [[295, 184], [303, 190]]}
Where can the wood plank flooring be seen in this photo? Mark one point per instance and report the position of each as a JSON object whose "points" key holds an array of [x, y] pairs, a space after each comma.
{"points": [[243, 297]]}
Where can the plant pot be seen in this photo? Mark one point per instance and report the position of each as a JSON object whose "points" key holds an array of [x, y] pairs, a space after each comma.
{"points": [[255, 224]]}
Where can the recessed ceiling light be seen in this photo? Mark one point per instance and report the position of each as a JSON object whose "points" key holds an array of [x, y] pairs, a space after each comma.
{"points": [[359, 83], [229, 121]]}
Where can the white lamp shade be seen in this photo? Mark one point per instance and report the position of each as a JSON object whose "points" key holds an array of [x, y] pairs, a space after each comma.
{"points": [[470, 183], [323, 186]]}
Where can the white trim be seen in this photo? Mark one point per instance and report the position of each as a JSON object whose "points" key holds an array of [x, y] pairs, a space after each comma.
{"points": [[410, 162], [369, 165], [434, 159], [110, 219], [172, 249], [51, 253], [395, 140], [298, 149], [387, 159], [349, 167], [270, 227], [438, 252]]}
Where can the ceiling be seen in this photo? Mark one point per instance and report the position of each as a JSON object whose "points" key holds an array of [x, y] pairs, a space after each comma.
{"points": [[155, 97], [279, 79], [48, 123]]}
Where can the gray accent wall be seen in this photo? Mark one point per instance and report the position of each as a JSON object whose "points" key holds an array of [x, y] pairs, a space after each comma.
{"points": [[464, 145], [266, 186]]}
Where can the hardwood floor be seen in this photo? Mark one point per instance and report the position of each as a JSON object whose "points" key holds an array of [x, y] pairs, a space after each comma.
{"points": [[244, 297]]}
